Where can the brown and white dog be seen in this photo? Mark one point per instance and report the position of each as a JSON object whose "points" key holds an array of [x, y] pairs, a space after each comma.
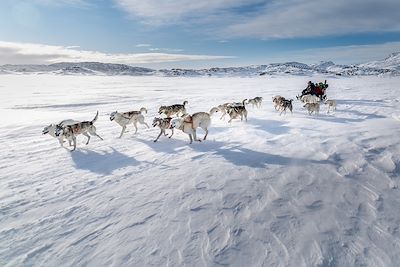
{"points": [[277, 100], [163, 124], [70, 132], [188, 124], [125, 118], [173, 109]]}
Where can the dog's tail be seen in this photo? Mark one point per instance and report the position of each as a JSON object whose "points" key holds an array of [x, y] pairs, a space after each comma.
{"points": [[143, 110], [185, 103], [95, 118], [244, 101]]}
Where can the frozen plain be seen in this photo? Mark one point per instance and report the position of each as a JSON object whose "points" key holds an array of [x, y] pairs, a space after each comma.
{"points": [[293, 190]]}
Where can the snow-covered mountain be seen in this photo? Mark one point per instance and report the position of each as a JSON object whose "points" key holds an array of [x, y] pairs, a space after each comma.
{"points": [[387, 66], [392, 62], [85, 68]]}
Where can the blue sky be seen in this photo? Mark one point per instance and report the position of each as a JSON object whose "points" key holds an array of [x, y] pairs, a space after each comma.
{"points": [[187, 33]]}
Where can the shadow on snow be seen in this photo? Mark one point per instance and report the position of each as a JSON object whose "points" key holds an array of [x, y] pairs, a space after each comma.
{"points": [[102, 162]]}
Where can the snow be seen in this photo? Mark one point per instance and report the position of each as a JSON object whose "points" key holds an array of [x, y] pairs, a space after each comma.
{"points": [[391, 62], [293, 190], [386, 67]]}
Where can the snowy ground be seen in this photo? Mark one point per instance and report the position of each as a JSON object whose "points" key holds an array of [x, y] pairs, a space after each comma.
{"points": [[292, 190]]}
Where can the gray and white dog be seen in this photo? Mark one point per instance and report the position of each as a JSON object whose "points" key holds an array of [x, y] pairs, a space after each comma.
{"points": [[163, 124], [255, 102], [70, 132], [286, 104], [237, 110], [331, 104], [312, 107], [125, 118], [173, 109], [51, 130]]}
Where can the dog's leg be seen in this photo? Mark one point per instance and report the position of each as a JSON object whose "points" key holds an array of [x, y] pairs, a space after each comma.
{"points": [[158, 136], [88, 138], [92, 131], [172, 133], [206, 133], [74, 141], [61, 141], [195, 135], [98, 136], [122, 131]]}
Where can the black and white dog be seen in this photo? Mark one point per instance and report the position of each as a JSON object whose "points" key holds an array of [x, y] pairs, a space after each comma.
{"points": [[70, 132]]}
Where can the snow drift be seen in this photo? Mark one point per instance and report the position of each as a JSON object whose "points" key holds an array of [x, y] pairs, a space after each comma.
{"points": [[292, 190]]}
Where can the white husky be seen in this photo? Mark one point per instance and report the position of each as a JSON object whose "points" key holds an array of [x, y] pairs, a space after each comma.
{"points": [[123, 119], [331, 104], [189, 124]]}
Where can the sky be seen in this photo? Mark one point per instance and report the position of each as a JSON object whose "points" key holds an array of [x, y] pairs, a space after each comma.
{"points": [[198, 34]]}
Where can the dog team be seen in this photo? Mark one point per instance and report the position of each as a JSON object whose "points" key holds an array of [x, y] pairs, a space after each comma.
{"points": [[69, 129], [311, 103]]}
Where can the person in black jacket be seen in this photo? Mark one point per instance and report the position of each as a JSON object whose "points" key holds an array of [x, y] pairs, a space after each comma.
{"points": [[309, 90]]}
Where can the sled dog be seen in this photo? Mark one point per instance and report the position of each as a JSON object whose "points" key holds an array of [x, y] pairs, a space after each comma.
{"points": [[286, 104], [312, 107], [330, 104], [125, 118], [173, 109], [163, 124], [255, 102], [236, 111], [276, 100], [71, 131], [188, 124], [51, 130]]}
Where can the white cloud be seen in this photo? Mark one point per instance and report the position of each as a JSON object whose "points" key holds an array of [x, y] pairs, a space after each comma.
{"points": [[143, 45], [271, 19], [174, 11], [165, 49], [300, 18], [28, 53], [63, 2]]}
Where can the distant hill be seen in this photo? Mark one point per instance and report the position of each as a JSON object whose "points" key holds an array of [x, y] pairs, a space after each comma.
{"points": [[387, 66]]}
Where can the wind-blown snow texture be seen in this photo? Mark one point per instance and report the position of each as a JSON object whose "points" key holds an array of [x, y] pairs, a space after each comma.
{"points": [[292, 190]]}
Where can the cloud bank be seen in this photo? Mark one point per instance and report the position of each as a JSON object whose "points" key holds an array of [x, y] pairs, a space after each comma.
{"points": [[275, 19]]}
